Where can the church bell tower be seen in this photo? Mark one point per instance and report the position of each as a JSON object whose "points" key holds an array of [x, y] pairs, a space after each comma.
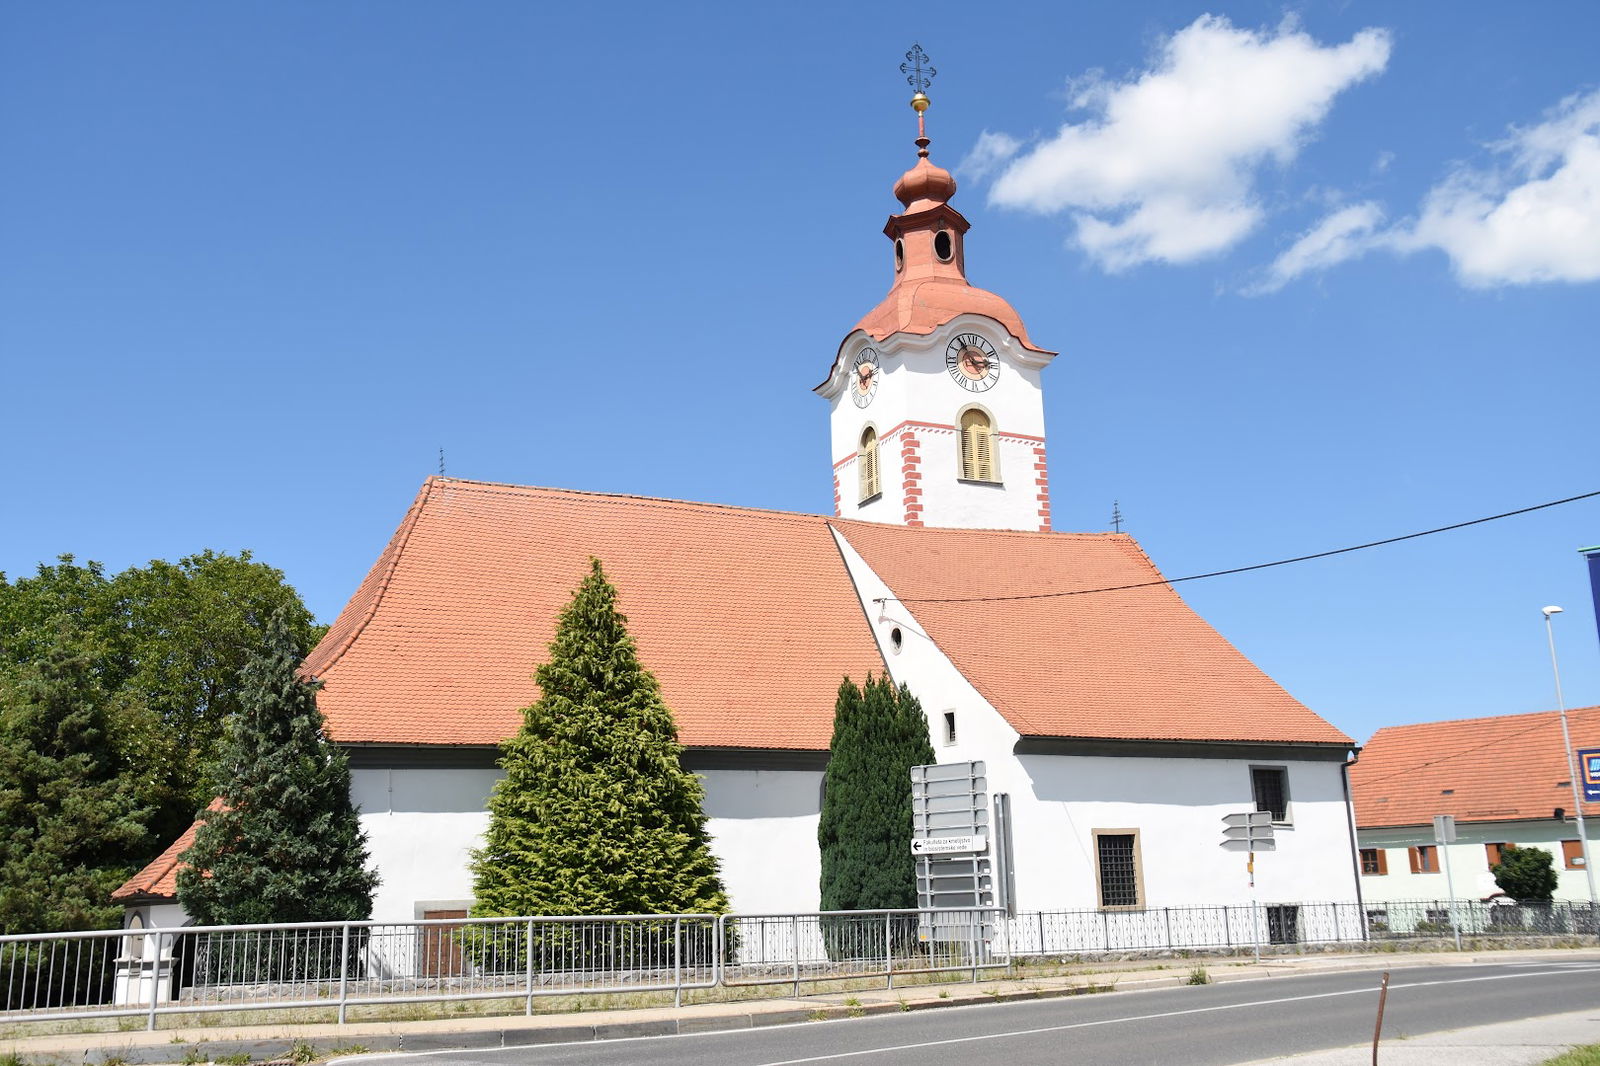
{"points": [[937, 413]]}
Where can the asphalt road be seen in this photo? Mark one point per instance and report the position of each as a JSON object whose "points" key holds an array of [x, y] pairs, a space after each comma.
{"points": [[1209, 1025]]}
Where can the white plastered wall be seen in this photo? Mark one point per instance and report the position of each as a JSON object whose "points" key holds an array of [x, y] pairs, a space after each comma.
{"points": [[422, 824], [1468, 859], [915, 389], [1176, 804]]}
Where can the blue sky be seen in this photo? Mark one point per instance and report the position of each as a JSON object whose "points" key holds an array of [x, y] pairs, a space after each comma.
{"points": [[1319, 273]]}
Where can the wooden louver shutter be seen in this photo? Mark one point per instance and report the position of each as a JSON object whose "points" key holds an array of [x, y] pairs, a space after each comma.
{"points": [[869, 464], [977, 447]]}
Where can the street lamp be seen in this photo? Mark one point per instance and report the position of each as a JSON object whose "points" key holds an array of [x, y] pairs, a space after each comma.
{"points": [[1572, 763]]}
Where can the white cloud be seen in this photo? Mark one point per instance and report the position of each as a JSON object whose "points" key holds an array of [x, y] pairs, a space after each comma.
{"points": [[991, 150], [1165, 167], [1345, 234], [1538, 220]]}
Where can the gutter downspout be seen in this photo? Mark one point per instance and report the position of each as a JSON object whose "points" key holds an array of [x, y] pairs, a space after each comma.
{"points": [[1350, 824]]}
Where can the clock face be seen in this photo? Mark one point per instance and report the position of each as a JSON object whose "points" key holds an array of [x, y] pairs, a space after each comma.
{"points": [[864, 377], [972, 362]]}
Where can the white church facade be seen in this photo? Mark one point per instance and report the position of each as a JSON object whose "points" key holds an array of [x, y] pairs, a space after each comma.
{"points": [[1120, 725]]}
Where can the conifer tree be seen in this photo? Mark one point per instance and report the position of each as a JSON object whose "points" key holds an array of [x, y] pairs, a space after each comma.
{"points": [[71, 825], [879, 733], [286, 845], [595, 813]]}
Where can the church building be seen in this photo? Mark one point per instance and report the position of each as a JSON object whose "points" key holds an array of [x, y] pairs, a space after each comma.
{"points": [[1119, 725]]}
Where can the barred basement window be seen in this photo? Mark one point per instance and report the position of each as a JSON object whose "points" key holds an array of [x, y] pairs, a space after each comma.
{"points": [[1117, 869], [977, 447], [868, 464], [1270, 785]]}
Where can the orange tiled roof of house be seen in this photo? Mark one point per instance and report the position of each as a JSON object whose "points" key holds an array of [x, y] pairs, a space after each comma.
{"points": [[1135, 664], [749, 618], [746, 617], [159, 879], [1507, 768]]}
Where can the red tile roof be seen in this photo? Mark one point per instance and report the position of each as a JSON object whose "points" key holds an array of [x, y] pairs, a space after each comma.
{"points": [[1136, 664], [159, 880], [1508, 768], [747, 618]]}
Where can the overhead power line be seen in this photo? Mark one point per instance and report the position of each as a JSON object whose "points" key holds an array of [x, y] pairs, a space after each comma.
{"points": [[1257, 566]]}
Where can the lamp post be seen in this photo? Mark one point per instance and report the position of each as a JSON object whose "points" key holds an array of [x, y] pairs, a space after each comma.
{"points": [[1572, 763]]}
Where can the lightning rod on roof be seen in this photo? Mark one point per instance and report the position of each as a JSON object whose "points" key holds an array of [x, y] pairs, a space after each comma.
{"points": [[1116, 516], [441, 462]]}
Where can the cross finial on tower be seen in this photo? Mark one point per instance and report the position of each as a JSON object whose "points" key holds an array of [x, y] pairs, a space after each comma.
{"points": [[919, 75]]}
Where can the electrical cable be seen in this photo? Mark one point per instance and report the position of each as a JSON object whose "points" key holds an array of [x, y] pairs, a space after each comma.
{"points": [[1247, 569]]}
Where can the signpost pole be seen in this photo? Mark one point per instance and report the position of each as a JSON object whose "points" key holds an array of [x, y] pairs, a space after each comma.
{"points": [[1572, 769], [1444, 832], [1250, 831]]}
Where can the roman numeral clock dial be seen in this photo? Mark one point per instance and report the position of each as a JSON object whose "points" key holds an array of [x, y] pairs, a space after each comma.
{"points": [[972, 363]]}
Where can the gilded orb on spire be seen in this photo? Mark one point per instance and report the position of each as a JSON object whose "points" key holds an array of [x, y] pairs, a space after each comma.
{"points": [[919, 74]]}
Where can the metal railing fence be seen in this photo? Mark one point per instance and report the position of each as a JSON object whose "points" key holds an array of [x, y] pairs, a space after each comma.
{"points": [[150, 973], [789, 949]]}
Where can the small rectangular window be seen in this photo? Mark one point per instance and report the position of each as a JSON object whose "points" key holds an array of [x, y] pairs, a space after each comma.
{"points": [[1117, 869], [1374, 863], [949, 727], [1424, 859], [1492, 852], [1572, 853], [1270, 786]]}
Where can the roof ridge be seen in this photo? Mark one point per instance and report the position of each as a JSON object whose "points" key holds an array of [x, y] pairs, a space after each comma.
{"points": [[1480, 718], [671, 501], [391, 552]]}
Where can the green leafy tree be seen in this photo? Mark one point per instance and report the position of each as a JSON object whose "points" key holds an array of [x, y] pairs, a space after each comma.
{"points": [[595, 813], [172, 637], [1527, 875], [286, 845], [195, 624], [72, 827], [879, 733]]}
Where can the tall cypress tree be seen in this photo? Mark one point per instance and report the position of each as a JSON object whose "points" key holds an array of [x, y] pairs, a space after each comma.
{"points": [[286, 845], [879, 733], [595, 814], [72, 827]]}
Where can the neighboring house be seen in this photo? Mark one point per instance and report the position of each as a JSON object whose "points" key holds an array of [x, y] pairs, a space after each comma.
{"points": [[1119, 724], [1505, 780]]}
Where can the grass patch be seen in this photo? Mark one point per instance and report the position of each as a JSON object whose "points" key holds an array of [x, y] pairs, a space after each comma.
{"points": [[302, 1053], [1198, 976], [1588, 1055], [240, 1059]]}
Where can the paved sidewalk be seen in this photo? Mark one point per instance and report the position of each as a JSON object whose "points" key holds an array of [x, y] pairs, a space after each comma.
{"points": [[1522, 1043], [1534, 1040]]}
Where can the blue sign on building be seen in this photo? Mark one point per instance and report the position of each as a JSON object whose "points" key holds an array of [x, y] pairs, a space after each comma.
{"points": [[1589, 771]]}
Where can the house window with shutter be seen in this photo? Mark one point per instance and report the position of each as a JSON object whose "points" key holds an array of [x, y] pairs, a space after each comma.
{"points": [[977, 447], [1494, 853], [1424, 859], [1373, 862], [1572, 854], [867, 465]]}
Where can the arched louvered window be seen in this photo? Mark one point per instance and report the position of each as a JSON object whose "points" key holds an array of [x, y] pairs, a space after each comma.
{"points": [[867, 464], [977, 447]]}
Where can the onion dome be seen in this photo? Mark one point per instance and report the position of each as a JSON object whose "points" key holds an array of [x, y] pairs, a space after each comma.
{"points": [[924, 185]]}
